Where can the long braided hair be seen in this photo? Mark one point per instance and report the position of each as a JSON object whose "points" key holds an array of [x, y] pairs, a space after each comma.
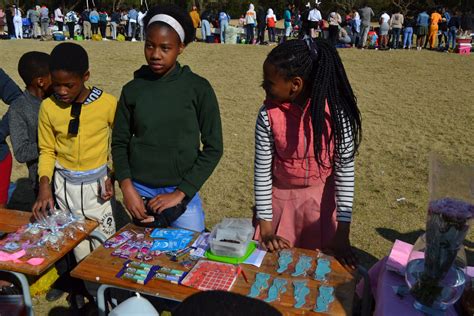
{"points": [[318, 63]]}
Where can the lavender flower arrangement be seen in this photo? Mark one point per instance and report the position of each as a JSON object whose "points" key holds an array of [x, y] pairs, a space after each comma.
{"points": [[447, 226]]}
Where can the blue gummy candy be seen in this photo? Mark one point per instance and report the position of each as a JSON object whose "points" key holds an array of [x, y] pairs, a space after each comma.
{"points": [[323, 267], [303, 265], [284, 260], [300, 292], [277, 287], [261, 283], [326, 297]]}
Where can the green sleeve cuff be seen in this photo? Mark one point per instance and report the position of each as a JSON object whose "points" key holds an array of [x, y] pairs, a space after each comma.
{"points": [[187, 188]]}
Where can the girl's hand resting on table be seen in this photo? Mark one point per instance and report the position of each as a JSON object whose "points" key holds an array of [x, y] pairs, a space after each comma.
{"points": [[269, 241]]}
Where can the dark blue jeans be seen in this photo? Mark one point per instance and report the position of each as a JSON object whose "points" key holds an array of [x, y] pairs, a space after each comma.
{"points": [[250, 33], [452, 37], [407, 37], [396, 37]]}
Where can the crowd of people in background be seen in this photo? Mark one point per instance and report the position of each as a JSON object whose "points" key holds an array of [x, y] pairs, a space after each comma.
{"points": [[39, 22], [359, 27]]}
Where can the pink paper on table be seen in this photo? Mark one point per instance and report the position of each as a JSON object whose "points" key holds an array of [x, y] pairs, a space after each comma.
{"points": [[35, 261], [398, 258], [5, 256]]}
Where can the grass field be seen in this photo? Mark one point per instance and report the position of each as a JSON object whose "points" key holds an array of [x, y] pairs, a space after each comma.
{"points": [[412, 103]]}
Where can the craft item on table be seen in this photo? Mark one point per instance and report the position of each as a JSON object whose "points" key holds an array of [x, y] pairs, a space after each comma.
{"points": [[261, 283], [278, 287], [171, 245], [284, 259], [300, 292], [303, 265], [167, 277], [210, 275], [144, 253], [325, 297], [118, 239], [55, 240], [11, 246], [200, 245], [180, 254], [171, 275], [137, 272], [164, 233], [138, 265], [188, 264], [323, 267], [170, 271]]}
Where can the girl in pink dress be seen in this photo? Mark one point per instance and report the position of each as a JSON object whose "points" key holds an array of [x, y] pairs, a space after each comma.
{"points": [[306, 137]]}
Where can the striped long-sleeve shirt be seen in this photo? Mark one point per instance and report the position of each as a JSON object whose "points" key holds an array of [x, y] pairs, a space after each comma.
{"points": [[264, 151]]}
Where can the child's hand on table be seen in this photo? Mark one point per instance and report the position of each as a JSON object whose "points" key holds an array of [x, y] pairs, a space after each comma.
{"points": [[45, 201], [132, 200], [269, 240], [163, 201], [341, 247]]}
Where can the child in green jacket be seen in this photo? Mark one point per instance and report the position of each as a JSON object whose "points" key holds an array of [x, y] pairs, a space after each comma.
{"points": [[163, 116]]}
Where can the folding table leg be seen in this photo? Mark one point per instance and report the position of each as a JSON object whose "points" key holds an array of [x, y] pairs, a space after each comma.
{"points": [[367, 292], [25, 287]]}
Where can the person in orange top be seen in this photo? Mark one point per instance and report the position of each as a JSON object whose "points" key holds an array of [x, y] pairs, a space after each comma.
{"points": [[271, 22], [435, 19], [194, 14]]}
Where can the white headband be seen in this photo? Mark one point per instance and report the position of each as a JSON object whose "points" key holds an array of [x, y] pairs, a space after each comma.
{"points": [[171, 22]]}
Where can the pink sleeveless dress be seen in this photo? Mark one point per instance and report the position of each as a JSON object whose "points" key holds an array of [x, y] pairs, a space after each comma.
{"points": [[303, 198]]}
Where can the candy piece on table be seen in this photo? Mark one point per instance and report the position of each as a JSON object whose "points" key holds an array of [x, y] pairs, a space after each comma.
{"points": [[125, 254], [118, 240], [323, 267], [285, 258], [300, 292], [138, 265], [303, 265], [261, 283], [278, 287], [137, 272], [325, 297]]}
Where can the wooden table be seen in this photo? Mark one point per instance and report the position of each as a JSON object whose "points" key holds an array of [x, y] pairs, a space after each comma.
{"points": [[11, 220], [342, 281]]}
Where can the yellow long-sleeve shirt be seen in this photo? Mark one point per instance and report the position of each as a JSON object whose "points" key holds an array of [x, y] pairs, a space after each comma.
{"points": [[195, 18], [87, 150]]}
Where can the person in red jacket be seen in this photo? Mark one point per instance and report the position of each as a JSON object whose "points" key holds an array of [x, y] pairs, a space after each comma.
{"points": [[271, 22], [306, 137]]}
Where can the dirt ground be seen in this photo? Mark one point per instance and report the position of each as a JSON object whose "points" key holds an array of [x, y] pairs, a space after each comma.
{"points": [[412, 103]]}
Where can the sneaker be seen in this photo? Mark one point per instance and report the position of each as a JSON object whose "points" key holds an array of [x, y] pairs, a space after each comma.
{"points": [[134, 40], [54, 295]]}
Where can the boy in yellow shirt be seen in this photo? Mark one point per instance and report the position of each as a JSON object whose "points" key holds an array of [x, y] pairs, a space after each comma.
{"points": [[74, 127]]}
